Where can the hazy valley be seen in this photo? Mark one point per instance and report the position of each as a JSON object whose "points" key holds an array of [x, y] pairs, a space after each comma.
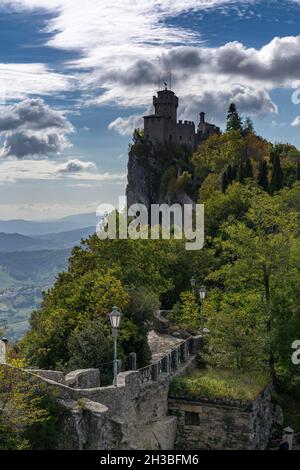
{"points": [[30, 259]]}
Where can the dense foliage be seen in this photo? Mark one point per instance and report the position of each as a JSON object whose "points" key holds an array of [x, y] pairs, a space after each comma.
{"points": [[29, 414], [250, 265]]}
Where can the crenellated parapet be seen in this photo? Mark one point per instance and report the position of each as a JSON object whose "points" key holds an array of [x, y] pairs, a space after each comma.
{"points": [[162, 127]]}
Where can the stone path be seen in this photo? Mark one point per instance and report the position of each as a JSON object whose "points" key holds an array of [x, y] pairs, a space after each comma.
{"points": [[160, 344]]}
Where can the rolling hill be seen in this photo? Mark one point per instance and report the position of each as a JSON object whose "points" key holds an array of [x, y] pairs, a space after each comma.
{"points": [[34, 228], [13, 242]]}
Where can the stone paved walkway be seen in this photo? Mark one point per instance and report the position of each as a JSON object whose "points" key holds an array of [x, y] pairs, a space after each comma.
{"points": [[161, 344]]}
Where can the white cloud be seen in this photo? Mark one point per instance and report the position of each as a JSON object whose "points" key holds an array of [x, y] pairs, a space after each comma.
{"points": [[76, 166], [274, 124], [296, 122], [128, 44], [31, 127], [21, 170], [94, 24], [19, 80], [126, 126]]}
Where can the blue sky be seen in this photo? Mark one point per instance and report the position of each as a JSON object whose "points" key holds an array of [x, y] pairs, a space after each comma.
{"points": [[75, 77]]}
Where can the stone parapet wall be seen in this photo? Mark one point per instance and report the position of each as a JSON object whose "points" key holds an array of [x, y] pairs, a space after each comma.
{"points": [[133, 415], [223, 424]]}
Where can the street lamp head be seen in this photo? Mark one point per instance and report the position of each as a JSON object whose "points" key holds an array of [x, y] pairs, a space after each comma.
{"points": [[193, 282], [115, 318], [202, 292]]}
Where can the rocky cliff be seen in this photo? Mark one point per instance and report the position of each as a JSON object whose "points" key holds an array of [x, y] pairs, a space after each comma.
{"points": [[159, 174]]}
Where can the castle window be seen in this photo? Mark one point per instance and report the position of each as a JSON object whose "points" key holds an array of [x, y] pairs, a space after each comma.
{"points": [[170, 137], [191, 419], [190, 137], [180, 137], [147, 136]]}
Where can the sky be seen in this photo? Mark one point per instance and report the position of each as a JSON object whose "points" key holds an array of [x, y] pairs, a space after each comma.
{"points": [[76, 77]]}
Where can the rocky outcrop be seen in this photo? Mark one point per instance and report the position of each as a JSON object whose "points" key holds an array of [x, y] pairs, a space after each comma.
{"points": [[84, 425], [142, 175], [151, 170]]}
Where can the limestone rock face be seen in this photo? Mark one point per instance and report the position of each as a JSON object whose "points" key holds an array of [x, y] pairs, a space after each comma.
{"points": [[143, 176], [84, 426], [147, 170]]}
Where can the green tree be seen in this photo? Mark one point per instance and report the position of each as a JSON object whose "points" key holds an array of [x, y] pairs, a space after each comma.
{"points": [[248, 170], [234, 204], [248, 127], [298, 171], [139, 310], [234, 122], [90, 346], [217, 152], [20, 408], [238, 337], [263, 173], [241, 172], [257, 255], [225, 181], [186, 313], [67, 307], [277, 173]]}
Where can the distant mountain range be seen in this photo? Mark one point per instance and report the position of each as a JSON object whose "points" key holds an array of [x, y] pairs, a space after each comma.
{"points": [[34, 228], [32, 253], [11, 242]]}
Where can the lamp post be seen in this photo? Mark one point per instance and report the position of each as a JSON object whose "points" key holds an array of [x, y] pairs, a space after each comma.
{"points": [[202, 295], [115, 321]]}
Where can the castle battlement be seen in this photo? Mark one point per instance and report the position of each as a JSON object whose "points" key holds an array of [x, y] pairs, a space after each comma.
{"points": [[185, 123], [163, 127]]}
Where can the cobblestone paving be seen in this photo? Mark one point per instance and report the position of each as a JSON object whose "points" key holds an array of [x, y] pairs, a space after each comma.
{"points": [[161, 344]]}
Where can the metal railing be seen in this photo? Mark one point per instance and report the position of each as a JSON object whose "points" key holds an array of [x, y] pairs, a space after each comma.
{"points": [[165, 365], [168, 363]]}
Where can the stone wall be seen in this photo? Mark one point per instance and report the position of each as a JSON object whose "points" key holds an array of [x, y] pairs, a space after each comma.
{"points": [[223, 424], [133, 415]]}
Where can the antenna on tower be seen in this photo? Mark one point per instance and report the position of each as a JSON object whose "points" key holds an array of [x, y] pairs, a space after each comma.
{"points": [[158, 74], [170, 80]]}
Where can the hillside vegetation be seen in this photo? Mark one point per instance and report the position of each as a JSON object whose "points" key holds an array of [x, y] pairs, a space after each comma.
{"points": [[250, 265]]}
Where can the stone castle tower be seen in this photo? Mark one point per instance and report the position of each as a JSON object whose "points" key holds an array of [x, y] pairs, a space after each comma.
{"points": [[163, 127]]}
